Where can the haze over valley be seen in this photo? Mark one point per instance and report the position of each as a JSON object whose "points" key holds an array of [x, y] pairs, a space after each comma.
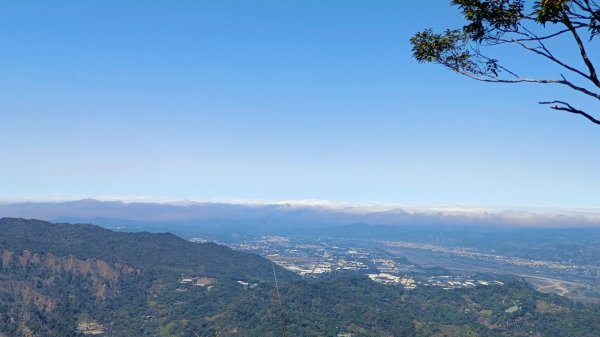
{"points": [[556, 251]]}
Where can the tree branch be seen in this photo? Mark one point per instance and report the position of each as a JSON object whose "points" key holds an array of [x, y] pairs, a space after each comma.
{"points": [[547, 54], [564, 106], [583, 52], [499, 80], [564, 81], [578, 88], [586, 7]]}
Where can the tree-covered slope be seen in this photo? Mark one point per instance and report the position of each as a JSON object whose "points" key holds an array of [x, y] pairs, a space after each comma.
{"points": [[78, 280], [152, 252]]}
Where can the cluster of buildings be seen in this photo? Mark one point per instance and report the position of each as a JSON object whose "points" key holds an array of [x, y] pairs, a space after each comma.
{"points": [[309, 257], [208, 283], [317, 265], [384, 278], [446, 282], [454, 282], [204, 282]]}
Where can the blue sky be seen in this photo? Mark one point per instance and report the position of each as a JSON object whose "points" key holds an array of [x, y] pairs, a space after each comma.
{"points": [[272, 100]]}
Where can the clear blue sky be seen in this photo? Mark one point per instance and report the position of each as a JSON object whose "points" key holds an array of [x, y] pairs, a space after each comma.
{"points": [[271, 100]]}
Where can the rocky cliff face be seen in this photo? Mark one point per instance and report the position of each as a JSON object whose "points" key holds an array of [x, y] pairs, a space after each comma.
{"points": [[28, 294], [71, 264], [104, 276], [42, 287]]}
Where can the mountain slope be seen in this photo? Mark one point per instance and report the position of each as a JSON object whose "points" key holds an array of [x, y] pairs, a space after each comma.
{"points": [[56, 278], [80, 280], [152, 252]]}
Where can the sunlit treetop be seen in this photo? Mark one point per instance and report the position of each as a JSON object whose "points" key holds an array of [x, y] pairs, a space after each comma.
{"points": [[529, 25]]}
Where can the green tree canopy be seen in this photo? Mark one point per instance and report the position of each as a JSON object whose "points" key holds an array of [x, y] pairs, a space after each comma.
{"points": [[532, 26]]}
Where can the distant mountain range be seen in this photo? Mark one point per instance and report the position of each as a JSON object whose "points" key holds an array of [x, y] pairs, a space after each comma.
{"points": [[306, 214]]}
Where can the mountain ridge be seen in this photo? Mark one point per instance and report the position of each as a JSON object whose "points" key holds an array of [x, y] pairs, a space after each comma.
{"points": [[305, 214]]}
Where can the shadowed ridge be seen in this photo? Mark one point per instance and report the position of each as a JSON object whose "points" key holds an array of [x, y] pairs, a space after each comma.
{"points": [[149, 251]]}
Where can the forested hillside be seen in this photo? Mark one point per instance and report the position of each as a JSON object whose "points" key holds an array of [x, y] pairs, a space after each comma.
{"points": [[76, 280]]}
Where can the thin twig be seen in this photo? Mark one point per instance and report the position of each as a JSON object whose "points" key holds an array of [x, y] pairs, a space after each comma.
{"points": [[569, 108]]}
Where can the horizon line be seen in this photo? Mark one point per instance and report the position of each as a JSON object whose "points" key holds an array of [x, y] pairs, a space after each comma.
{"points": [[309, 203]]}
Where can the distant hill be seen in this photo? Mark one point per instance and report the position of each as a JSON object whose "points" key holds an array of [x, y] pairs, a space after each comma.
{"points": [[150, 252], [82, 280], [298, 214]]}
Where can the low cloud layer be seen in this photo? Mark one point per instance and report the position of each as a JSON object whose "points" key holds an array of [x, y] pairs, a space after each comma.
{"points": [[301, 213]]}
